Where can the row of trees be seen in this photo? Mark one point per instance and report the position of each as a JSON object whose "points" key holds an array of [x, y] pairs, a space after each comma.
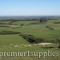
{"points": [[32, 39], [8, 32], [49, 27]]}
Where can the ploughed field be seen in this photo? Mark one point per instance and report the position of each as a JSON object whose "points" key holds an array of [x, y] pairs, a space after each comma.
{"points": [[11, 38]]}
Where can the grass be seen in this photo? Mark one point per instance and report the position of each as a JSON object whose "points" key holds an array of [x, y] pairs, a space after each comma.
{"points": [[11, 39], [8, 42]]}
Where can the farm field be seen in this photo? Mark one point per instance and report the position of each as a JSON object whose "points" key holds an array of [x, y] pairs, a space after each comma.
{"points": [[49, 31]]}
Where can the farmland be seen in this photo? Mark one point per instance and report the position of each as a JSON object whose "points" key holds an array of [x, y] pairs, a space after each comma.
{"points": [[48, 31]]}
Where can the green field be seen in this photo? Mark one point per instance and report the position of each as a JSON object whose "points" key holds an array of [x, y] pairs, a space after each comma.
{"points": [[14, 42]]}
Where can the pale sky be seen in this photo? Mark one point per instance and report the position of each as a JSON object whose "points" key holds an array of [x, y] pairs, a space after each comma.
{"points": [[29, 7]]}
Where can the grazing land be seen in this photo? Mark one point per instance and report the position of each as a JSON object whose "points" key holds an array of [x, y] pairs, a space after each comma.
{"points": [[33, 36]]}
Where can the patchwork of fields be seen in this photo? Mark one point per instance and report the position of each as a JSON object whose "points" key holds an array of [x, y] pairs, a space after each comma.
{"points": [[14, 42]]}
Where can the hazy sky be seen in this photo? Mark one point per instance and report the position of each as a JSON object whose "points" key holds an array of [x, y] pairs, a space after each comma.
{"points": [[29, 7]]}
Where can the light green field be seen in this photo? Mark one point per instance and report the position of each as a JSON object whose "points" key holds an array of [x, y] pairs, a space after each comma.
{"points": [[9, 43]]}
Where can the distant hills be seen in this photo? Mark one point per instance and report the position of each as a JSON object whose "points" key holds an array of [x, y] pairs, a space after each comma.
{"points": [[25, 17]]}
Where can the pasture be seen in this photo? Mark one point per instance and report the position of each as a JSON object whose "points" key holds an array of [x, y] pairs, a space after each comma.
{"points": [[14, 42]]}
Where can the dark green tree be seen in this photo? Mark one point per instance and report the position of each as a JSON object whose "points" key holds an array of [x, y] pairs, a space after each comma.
{"points": [[43, 20], [59, 43]]}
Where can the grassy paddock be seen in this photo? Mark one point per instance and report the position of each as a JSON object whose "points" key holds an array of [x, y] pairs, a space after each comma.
{"points": [[15, 42]]}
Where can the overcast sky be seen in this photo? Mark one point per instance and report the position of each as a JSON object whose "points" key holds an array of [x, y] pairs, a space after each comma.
{"points": [[29, 7]]}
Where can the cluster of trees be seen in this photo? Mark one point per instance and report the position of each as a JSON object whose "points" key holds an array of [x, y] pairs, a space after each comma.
{"points": [[43, 20], [50, 28], [40, 20], [58, 41], [31, 38], [56, 22], [21, 25], [3, 26]]}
